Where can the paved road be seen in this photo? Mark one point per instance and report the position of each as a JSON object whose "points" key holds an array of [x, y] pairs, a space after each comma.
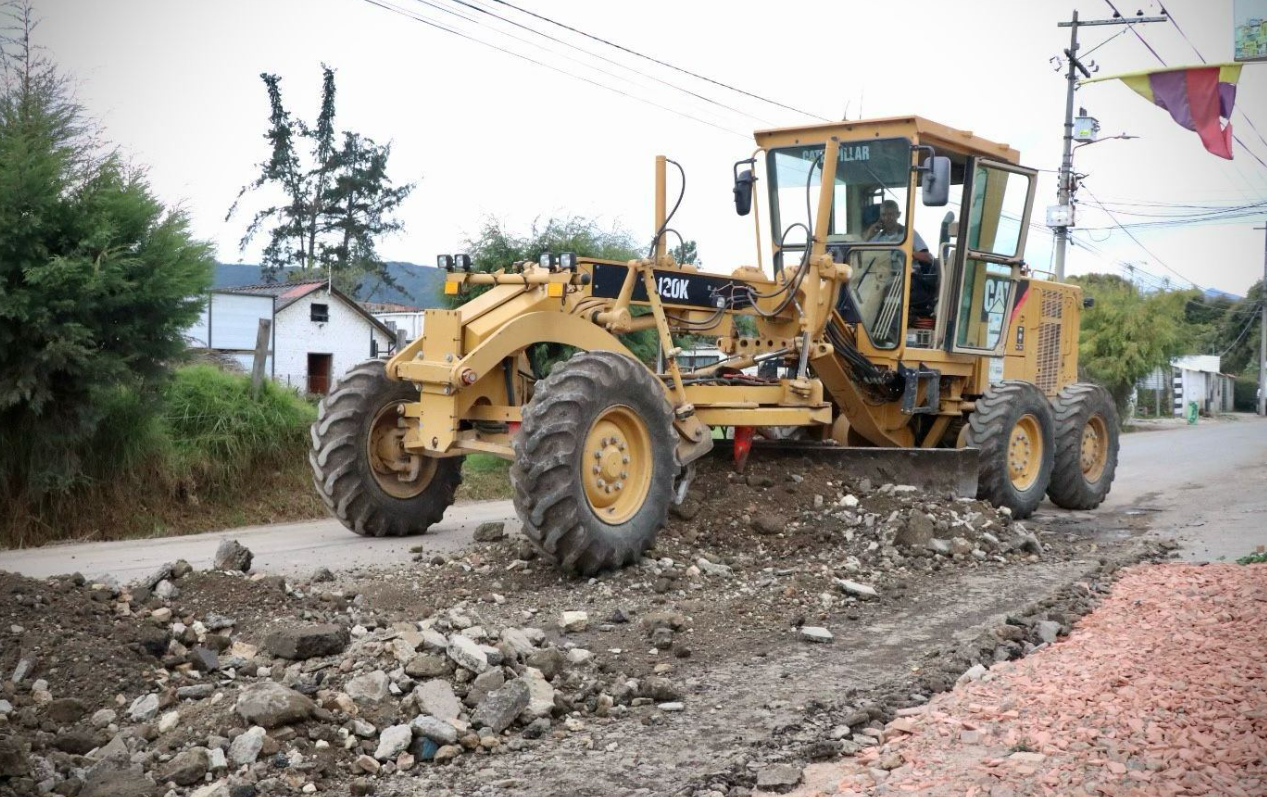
{"points": [[1205, 484]]}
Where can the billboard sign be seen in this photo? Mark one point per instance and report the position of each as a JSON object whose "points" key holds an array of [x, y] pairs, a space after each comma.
{"points": [[1249, 30]]}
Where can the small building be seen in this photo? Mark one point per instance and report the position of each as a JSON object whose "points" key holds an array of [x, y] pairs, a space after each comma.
{"points": [[1195, 377], [410, 322], [318, 332]]}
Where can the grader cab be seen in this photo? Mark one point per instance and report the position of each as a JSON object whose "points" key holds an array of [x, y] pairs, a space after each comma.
{"points": [[897, 312]]}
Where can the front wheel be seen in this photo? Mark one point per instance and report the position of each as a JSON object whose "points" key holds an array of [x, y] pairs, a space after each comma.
{"points": [[594, 463], [1086, 446], [1012, 426], [361, 469]]}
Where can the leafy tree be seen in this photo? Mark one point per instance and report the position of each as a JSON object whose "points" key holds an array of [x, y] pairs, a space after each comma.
{"points": [[338, 200], [495, 247], [687, 252], [1127, 334], [97, 279]]}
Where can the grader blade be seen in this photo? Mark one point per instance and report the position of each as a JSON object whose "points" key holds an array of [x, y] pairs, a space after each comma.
{"points": [[944, 471]]}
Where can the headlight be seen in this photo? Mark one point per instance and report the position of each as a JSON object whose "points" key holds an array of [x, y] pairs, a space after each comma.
{"points": [[444, 262], [462, 262], [567, 261]]}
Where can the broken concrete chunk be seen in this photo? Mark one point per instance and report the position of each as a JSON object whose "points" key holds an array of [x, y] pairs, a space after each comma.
{"points": [[307, 641], [233, 555], [861, 591], [500, 708], [467, 653], [370, 687], [813, 633], [490, 532], [270, 705]]}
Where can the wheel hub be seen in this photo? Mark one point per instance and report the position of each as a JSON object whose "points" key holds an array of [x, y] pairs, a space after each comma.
{"points": [[400, 473], [1094, 451], [616, 465], [1025, 452]]}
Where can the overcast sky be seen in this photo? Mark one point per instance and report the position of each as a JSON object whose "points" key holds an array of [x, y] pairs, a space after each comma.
{"points": [[176, 85]]}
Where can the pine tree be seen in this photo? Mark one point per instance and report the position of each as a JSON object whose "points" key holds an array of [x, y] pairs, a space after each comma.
{"points": [[97, 279]]}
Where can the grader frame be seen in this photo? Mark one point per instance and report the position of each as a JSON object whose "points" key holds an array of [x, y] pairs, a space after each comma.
{"points": [[982, 371]]}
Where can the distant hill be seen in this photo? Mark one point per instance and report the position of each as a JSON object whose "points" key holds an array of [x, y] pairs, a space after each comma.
{"points": [[1215, 293], [419, 285]]}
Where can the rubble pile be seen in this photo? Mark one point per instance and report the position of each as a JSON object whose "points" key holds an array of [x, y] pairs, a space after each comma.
{"points": [[221, 684]]}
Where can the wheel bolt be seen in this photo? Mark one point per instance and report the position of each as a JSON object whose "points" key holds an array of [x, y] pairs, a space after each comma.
{"points": [[597, 470], [624, 474], [598, 454], [618, 485], [624, 460]]}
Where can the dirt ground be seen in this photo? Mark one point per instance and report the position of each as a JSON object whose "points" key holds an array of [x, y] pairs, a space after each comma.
{"points": [[1162, 690], [693, 672]]}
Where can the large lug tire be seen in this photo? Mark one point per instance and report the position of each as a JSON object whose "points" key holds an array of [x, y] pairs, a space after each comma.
{"points": [[1014, 429], [355, 440], [1086, 446], [594, 463]]}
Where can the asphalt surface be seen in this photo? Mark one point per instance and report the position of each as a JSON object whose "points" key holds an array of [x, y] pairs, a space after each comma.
{"points": [[1206, 485]]}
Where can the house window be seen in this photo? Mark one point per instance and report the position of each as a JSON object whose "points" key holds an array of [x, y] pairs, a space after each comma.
{"points": [[320, 312]]}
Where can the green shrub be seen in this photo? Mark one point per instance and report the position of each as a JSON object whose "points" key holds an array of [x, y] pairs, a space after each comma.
{"points": [[1245, 394], [219, 432]]}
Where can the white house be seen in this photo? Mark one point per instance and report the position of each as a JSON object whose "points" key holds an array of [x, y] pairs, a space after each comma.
{"points": [[1195, 377], [318, 332], [409, 321]]}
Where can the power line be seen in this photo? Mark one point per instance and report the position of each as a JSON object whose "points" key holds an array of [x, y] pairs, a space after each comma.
{"points": [[1131, 235], [658, 61], [431, 23], [572, 46], [1245, 329]]}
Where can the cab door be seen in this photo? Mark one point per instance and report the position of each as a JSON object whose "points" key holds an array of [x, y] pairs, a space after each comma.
{"points": [[988, 255]]}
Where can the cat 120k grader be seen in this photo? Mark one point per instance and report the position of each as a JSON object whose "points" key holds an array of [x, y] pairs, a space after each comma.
{"points": [[865, 339]]}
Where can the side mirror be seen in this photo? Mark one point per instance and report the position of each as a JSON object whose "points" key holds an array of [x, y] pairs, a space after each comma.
{"points": [[743, 188], [935, 180], [947, 224]]}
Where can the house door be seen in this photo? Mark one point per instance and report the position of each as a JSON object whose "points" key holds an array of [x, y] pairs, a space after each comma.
{"points": [[319, 373]]}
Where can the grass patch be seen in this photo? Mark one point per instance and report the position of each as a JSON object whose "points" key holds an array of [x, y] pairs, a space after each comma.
{"points": [[484, 478], [1259, 558]]}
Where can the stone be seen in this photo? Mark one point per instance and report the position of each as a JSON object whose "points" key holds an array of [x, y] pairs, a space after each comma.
{"points": [[659, 689], [233, 555], [940, 547], [518, 641], [1047, 630], [973, 673], [164, 572], [917, 532], [860, 591], [672, 706], [436, 698], [143, 708], [447, 753], [484, 684], [500, 708], [299, 643], [467, 653], [168, 722], [813, 633], [550, 661], [571, 622], [103, 718], [321, 575], [1028, 543], [370, 687], [540, 693], [204, 659], [960, 546], [117, 779], [778, 777], [427, 665], [393, 741], [269, 704], [217, 789], [77, 741], [166, 590], [6, 708], [244, 749], [65, 710], [437, 730], [366, 764], [186, 768], [26, 665], [216, 759], [195, 691], [1026, 757], [767, 524], [490, 532]]}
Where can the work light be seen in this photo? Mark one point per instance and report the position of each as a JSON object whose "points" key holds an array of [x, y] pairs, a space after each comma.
{"points": [[549, 261], [462, 262], [444, 262], [567, 261]]}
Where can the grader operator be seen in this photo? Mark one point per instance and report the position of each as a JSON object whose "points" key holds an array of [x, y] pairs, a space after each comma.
{"points": [[880, 343]]}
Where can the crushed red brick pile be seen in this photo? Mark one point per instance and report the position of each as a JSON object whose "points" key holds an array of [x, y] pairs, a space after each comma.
{"points": [[1162, 690]]}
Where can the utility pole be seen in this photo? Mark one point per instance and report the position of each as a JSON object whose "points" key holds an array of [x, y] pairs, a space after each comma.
{"points": [[1061, 217], [1262, 331]]}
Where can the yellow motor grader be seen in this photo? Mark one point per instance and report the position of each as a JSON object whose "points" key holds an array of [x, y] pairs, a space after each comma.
{"points": [[866, 337]]}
